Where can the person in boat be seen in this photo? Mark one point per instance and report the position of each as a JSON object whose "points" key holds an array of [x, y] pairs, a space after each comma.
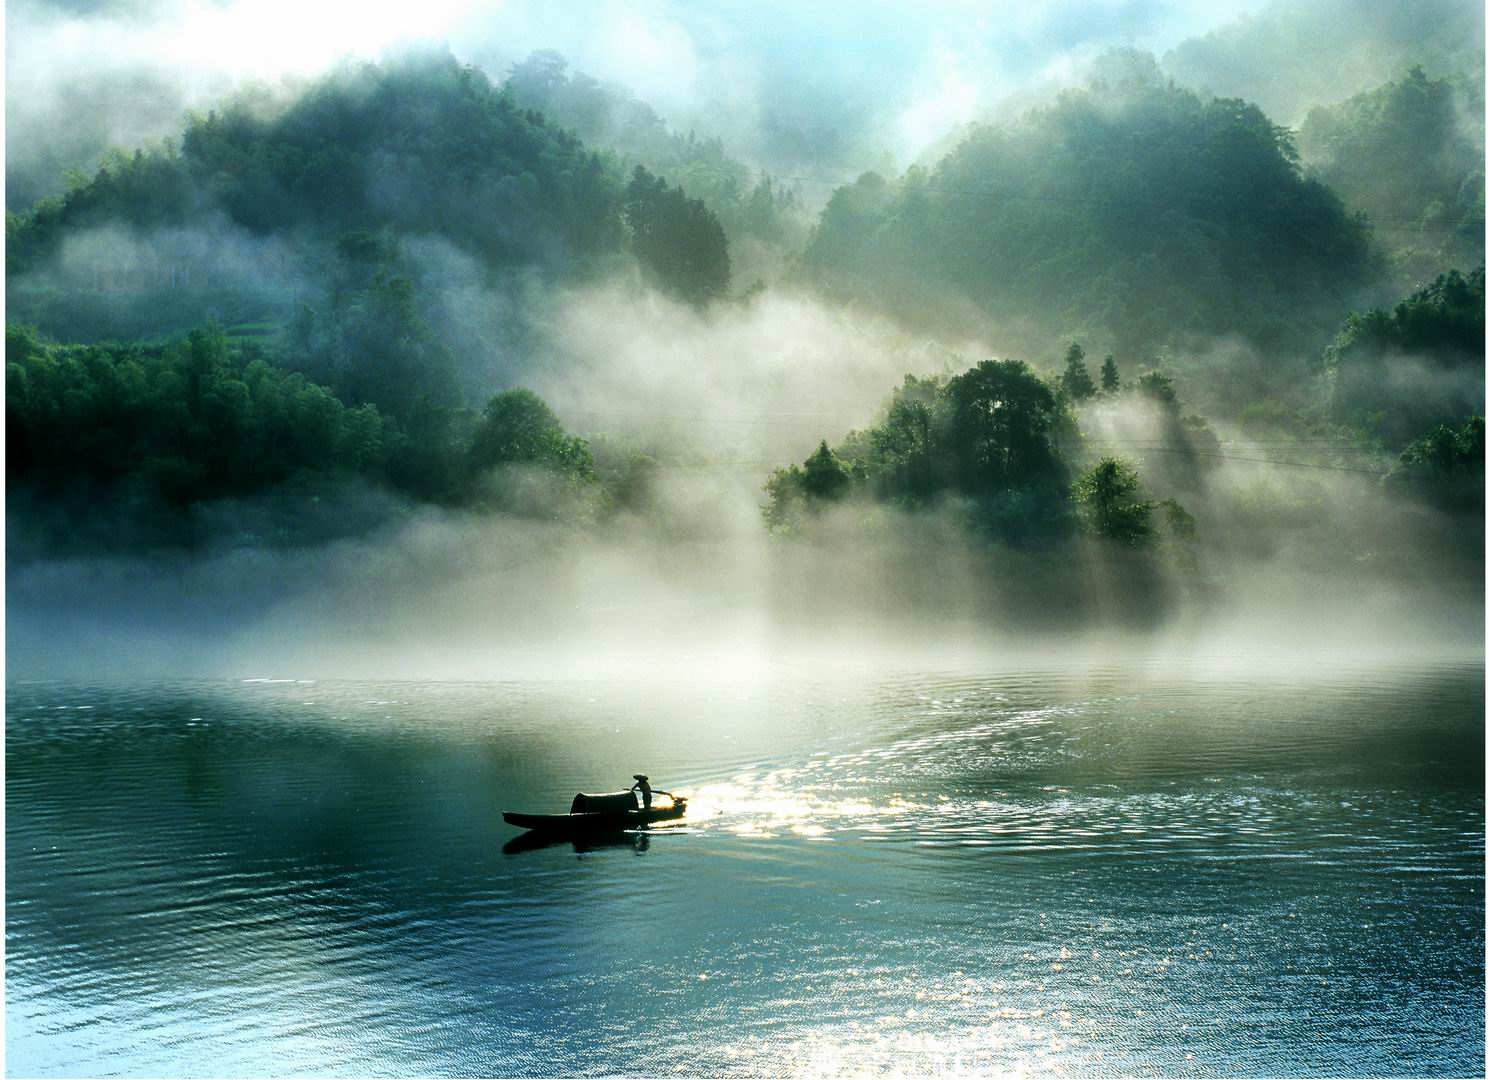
{"points": [[644, 787]]}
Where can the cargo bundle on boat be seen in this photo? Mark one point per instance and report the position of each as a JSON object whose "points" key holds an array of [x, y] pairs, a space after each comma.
{"points": [[610, 811]]}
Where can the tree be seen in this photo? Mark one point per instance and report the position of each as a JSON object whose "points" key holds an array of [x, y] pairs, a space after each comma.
{"points": [[1002, 417], [986, 438], [1201, 201], [1076, 380], [518, 428], [158, 429], [1180, 536], [1393, 374], [536, 80], [1403, 152], [1106, 503], [382, 351], [1450, 462], [823, 475], [1159, 388], [676, 239], [1110, 382]]}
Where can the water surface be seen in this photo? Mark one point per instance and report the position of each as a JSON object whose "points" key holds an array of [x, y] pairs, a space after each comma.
{"points": [[1086, 871]]}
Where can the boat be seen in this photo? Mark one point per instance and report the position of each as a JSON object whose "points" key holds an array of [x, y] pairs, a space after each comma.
{"points": [[614, 811]]}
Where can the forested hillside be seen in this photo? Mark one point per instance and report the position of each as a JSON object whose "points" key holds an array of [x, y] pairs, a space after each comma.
{"points": [[352, 289], [133, 447], [1294, 54], [765, 219], [1411, 154], [240, 218], [1134, 217]]}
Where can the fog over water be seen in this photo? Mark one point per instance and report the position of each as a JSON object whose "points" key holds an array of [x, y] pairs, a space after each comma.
{"points": [[1024, 494], [722, 398]]}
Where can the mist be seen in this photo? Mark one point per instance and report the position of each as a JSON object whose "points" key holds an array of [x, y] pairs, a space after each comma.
{"points": [[1293, 556], [1005, 481], [826, 88], [688, 408]]}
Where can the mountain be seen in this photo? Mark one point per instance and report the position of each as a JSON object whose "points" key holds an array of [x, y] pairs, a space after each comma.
{"points": [[1134, 217], [1294, 54]]}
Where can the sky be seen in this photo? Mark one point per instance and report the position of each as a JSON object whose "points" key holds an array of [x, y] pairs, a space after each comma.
{"points": [[843, 83]]}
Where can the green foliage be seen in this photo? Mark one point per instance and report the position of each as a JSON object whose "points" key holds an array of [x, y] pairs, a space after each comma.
{"points": [[1158, 387], [1180, 536], [1001, 425], [987, 438], [1076, 381], [1270, 418], [1111, 383], [414, 146], [429, 453], [1447, 319], [1141, 217], [419, 145], [1290, 55], [1106, 504], [823, 476], [1404, 153], [151, 432], [1451, 462], [676, 239], [1191, 448], [1393, 374], [182, 423], [610, 116], [367, 339], [518, 428], [798, 494]]}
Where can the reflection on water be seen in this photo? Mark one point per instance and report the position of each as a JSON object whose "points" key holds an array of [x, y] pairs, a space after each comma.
{"points": [[639, 841], [1082, 873]]}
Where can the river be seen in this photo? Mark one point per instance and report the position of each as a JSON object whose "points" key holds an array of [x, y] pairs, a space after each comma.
{"points": [[1196, 869]]}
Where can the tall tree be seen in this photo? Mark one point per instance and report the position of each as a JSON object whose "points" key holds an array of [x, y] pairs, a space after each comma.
{"points": [[1107, 503], [1111, 384], [1076, 380], [677, 239]]}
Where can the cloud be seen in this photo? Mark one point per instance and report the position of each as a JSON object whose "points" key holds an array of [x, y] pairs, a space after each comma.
{"points": [[835, 85]]}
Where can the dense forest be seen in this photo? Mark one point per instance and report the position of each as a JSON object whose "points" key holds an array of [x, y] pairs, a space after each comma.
{"points": [[1293, 55], [1136, 216], [316, 311], [135, 440], [761, 217], [247, 210], [1411, 154]]}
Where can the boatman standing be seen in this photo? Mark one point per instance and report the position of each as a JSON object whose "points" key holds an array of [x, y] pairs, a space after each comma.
{"points": [[645, 788]]}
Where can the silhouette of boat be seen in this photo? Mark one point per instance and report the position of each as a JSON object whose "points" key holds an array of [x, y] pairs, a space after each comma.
{"points": [[592, 814]]}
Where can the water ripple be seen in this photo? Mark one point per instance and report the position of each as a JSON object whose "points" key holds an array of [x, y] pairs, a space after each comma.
{"points": [[1081, 872]]}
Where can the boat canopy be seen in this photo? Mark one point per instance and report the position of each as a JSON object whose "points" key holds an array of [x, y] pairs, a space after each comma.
{"points": [[613, 802]]}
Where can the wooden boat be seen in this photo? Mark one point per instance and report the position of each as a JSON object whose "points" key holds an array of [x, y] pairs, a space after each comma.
{"points": [[611, 812]]}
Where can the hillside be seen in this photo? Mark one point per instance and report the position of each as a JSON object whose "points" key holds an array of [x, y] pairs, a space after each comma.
{"points": [[1294, 54], [1411, 154], [1134, 217], [239, 220]]}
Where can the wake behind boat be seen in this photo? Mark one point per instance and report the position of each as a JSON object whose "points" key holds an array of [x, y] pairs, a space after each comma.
{"points": [[610, 812]]}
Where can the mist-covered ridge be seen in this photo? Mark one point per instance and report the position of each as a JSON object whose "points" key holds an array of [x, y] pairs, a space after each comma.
{"points": [[508, 319]]}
